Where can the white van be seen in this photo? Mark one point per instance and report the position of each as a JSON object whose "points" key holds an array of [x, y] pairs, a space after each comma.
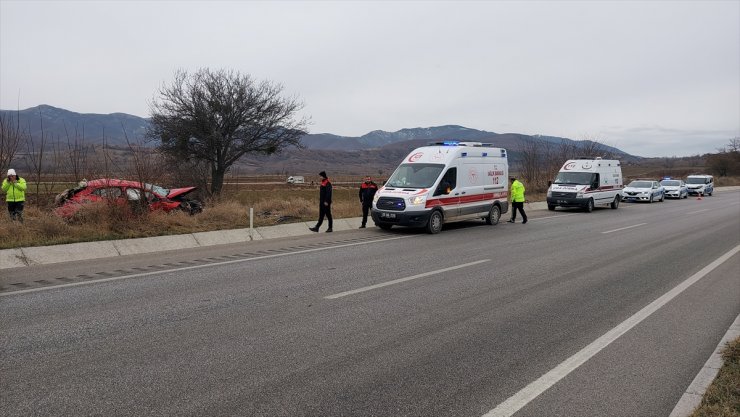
{"points": [[296, 180], [700, 184], [444, 182], [587, 183]]}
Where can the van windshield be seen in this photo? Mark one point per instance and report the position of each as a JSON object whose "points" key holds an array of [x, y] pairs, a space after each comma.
{"points": [[415, 175], [573, 178], [696, 180]]}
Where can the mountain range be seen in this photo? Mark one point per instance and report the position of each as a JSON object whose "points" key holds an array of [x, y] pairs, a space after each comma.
{"points": [[377, 148]]}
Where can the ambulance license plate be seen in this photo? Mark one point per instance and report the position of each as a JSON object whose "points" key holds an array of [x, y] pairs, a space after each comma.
{"points": [[388, 215]]}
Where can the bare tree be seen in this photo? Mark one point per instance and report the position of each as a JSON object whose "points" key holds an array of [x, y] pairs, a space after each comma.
{"points": [[219, 116], [76, 153], [531, 161], [35, 156], [734, 144], [10, 138], [591, 146]]}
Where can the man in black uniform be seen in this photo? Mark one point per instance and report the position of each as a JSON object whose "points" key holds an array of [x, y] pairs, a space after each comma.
{"points": [[324, 203], [367, 193]]}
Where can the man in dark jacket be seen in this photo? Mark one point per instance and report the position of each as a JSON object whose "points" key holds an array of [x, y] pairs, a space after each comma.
{"points": [[367, 193], [324, 203]]}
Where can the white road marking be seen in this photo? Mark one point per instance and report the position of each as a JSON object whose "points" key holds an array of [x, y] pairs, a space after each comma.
{"points": [[517, 401], [556, 216], [697, 211], [400, 280], [624, 228], [187, 268]]}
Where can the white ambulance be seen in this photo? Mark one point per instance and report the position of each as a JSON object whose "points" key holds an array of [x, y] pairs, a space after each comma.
{"points": [[444, 182], [587, 183]]}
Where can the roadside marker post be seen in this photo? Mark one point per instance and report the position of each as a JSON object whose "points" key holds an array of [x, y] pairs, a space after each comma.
{"points": [[251, 222]]}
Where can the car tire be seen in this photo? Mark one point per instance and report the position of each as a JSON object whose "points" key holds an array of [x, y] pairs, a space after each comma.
{"points": [[384, 226], [651, 199], [494, 215], [615, 204], [434, 225], [551, 207], [589, 206], [662, 197]]}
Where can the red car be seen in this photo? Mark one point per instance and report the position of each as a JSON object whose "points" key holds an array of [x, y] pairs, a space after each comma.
{"points": [[122, 192]]}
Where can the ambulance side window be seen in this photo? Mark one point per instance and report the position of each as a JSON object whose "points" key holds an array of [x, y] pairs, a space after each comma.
{"points": [[594, 181], [448, 182]]}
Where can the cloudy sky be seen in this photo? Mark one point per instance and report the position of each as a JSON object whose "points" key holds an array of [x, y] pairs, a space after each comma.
{"points": [[653, 78]]}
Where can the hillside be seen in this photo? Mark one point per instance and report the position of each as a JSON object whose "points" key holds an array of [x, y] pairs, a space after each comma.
{"points": [[377, 149]]}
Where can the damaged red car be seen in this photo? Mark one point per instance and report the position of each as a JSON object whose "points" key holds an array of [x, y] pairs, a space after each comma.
{"points": [[123, 192]]}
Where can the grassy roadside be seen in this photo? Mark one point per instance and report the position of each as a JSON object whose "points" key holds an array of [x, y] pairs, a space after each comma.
{"points": [[722, 398], [272, 205]]}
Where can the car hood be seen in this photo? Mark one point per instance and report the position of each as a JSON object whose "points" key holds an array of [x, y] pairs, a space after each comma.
{"points": [[176, 192], [671, 187], [635, 190]]}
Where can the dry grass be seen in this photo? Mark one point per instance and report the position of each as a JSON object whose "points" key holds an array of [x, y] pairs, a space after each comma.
{"points": [[272, 205], [722, 399]]}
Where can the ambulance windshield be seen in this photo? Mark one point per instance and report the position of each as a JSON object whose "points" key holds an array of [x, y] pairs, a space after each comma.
{"points": [[415, 175], [573, 178]]}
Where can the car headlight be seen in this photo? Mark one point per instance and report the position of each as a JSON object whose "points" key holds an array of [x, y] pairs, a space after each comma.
{"points": [[376, 198], [549, 192], [579, 195], [417, 200]]}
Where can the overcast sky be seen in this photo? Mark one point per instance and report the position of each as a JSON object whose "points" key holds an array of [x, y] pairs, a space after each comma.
{"points": [[653, 78]]}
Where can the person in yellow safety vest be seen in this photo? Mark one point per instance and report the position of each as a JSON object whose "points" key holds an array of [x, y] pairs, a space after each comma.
{"points": [[517, 200], [15, 194]]}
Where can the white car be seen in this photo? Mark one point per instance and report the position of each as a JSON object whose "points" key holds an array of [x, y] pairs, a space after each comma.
{"points": [[675, 188], [643, 190], [700, 184]]}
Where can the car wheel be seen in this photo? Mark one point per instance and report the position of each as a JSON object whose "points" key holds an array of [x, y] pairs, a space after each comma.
{"points": [[615, 204], [494, 215], [662, 197], [434, 225], [589, 205], [709, 194], [651, 199], [384, 226], [551, 207]]}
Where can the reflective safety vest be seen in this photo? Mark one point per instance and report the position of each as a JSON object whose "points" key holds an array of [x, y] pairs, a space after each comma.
{"points": [[517, 192], [14, 192]]}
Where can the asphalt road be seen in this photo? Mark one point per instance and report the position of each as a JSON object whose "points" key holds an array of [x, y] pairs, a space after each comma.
{"points": [[399, 323]]}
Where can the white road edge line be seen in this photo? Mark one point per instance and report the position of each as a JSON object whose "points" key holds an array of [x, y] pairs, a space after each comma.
{"points": [[624, 228], [517, 401], [697, 211], [187, 268], [397, 281]]}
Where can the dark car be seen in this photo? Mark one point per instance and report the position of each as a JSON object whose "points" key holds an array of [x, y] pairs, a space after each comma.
{"points": [[125, 192]]}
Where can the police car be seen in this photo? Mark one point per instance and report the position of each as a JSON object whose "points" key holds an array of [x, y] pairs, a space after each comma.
{"points": [[674, 188], [644, 190]]}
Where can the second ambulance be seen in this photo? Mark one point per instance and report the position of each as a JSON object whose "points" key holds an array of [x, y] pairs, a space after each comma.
{"points": [[587, 183]]}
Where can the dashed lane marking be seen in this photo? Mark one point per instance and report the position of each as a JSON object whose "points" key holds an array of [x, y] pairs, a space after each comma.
{"points": [[624, 228], [400, 280]]}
